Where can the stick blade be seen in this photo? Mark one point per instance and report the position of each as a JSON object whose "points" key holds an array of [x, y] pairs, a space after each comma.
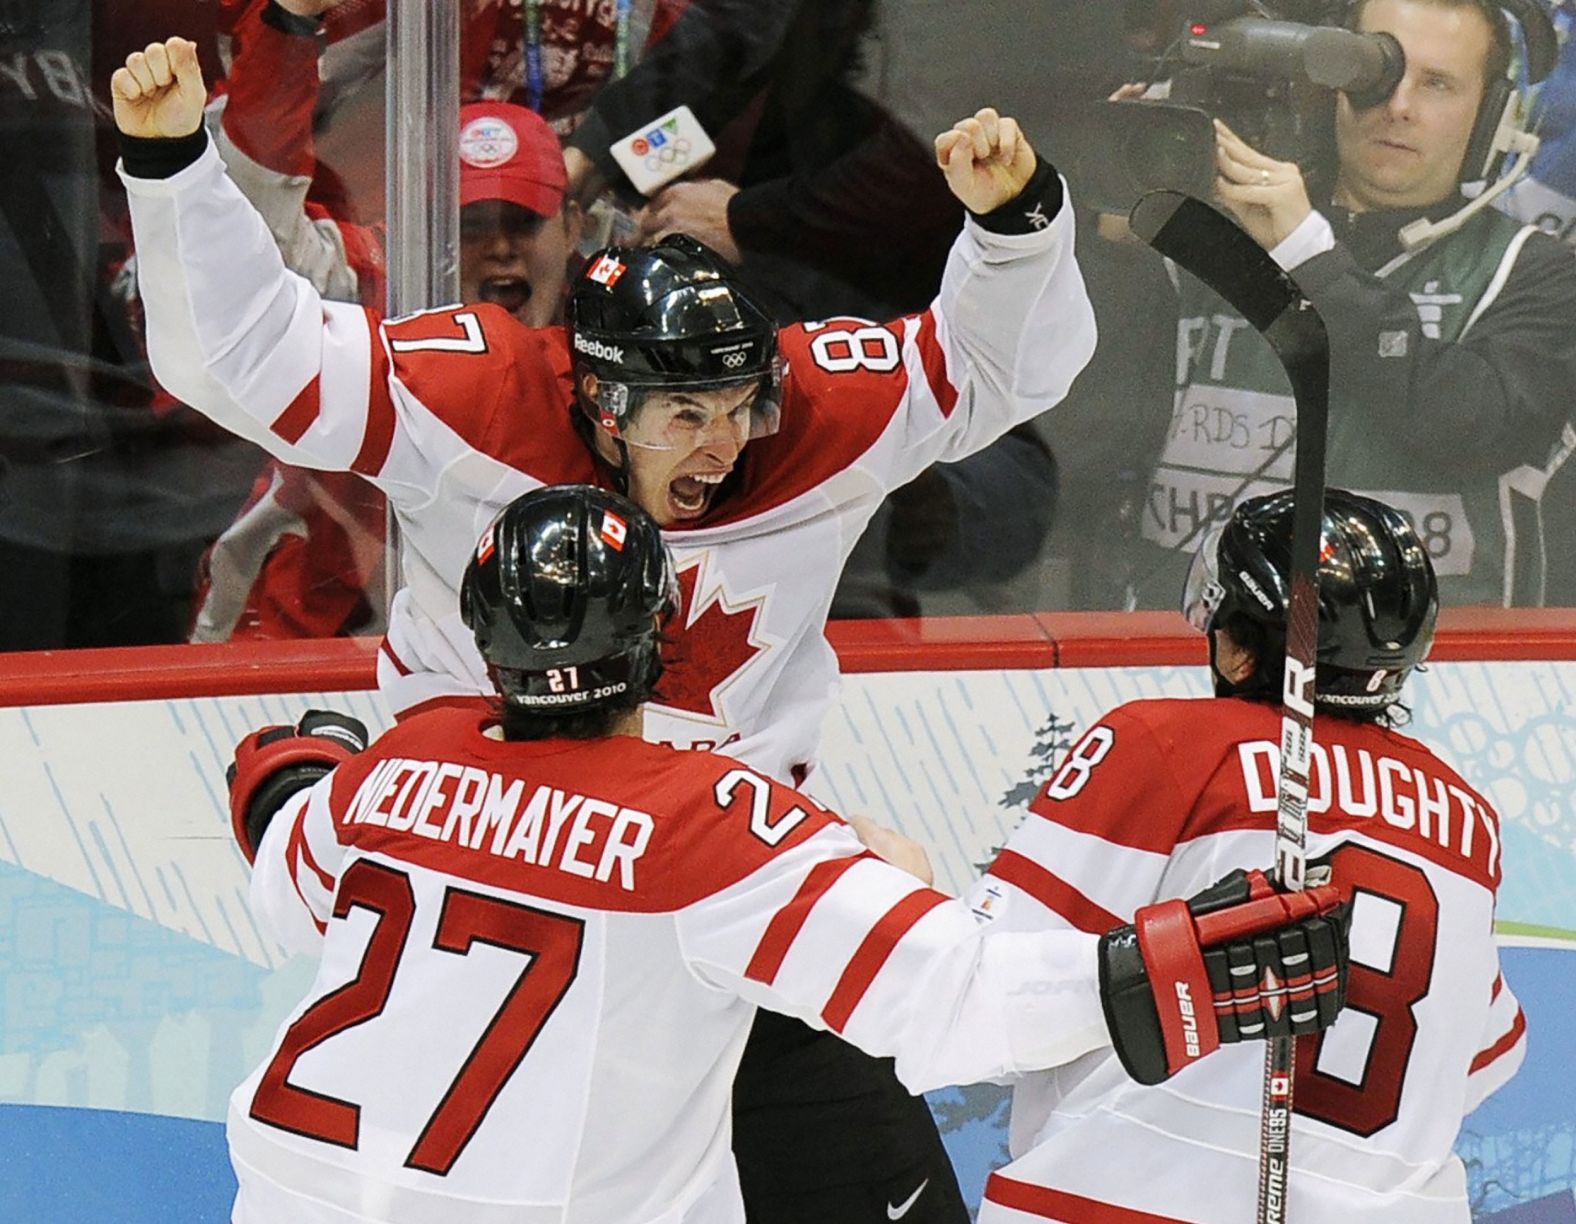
{"points": [[1219, 252]]}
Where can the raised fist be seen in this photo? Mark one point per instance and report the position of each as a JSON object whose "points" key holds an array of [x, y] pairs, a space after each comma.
{"points": [[159, 93], [987, 160]]}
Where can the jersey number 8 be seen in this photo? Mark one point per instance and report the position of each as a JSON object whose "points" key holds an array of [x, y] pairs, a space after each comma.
{"points": [[1383, 994]]}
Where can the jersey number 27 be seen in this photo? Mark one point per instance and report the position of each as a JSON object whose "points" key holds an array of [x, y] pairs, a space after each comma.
{"points": [[552, 941]]}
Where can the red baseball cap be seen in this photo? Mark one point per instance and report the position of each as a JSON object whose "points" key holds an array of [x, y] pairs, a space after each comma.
{"points": [[508, 152]]}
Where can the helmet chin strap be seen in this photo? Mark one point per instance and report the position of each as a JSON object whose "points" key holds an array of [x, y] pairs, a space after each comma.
{"points": [[621, 473], [587, 428]]}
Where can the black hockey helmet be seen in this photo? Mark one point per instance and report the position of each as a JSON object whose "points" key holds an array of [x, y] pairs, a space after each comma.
{"points": [[668, 316], [567, 593], [1378, 597]]}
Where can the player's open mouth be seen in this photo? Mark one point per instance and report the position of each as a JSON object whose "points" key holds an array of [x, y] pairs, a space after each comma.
{"points": [[510, 292], [690, 495]]}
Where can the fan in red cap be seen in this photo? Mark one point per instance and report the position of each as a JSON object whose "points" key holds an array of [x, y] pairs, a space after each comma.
{"points": [[512, 183]]}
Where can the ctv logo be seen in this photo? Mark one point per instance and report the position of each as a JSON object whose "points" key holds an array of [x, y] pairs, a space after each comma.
{"points": [[595, 348]]}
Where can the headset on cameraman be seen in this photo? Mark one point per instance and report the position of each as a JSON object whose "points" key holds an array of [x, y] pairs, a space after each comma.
{"points": [[1503, 124], [1500, 129]]}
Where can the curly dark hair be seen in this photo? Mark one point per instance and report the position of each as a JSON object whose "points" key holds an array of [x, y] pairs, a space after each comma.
{"points": [[521, 724], [1269, 661]]}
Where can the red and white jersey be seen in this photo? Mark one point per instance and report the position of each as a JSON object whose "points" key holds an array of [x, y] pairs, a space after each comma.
{"points": [[540, 962], [455, 412], [1161, 798]]}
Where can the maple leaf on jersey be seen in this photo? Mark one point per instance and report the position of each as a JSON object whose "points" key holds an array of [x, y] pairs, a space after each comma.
{"points": [[705, 654]]}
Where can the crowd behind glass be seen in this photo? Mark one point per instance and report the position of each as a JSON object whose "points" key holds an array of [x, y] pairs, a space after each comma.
{"points": [[126, 518]]}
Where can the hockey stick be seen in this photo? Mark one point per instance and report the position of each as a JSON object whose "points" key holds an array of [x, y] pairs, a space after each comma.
{"points": [[1223, 256]]}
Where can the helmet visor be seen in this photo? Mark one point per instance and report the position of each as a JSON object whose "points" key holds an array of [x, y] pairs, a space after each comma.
{"points": [[669, 418], [1203, 592]]}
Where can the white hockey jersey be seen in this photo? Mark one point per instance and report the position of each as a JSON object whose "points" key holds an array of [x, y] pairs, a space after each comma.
{"points": [[540, 962], [1160, 798], [455, 412]]}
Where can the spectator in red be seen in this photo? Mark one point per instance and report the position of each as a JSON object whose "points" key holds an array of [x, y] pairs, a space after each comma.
{"points": [[304, 557], [554, 55]]}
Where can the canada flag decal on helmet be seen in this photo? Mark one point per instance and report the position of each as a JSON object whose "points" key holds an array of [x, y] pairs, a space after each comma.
{"points": [[487, 544], [614, 531], [606, 271]]}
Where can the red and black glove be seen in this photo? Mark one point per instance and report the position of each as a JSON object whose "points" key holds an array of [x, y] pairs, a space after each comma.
{"points": [[1238, 962], [275, 762]]}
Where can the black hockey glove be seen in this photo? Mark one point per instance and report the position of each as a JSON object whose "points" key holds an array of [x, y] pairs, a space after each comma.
{"points": [[1238, 962], [275, 762]]}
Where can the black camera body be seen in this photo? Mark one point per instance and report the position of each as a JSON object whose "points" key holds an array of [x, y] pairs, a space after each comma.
{"points": [[1272, 80]]}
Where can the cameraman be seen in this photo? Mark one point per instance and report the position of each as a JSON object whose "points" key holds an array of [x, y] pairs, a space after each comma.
{"points": [[1453, 368]]}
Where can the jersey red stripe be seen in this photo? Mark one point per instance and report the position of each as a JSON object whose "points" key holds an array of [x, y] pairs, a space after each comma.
{"points": [[290, 856], [934, 362], [1058, 1205], [1053, 892], [873, 953], [787, 922], [1499, 985], [399, 666], [297, 418], [322, 927], [301, 853], [379, 435], [1518, 1027]]}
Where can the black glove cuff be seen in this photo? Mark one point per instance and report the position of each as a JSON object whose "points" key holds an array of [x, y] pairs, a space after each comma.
{"points": [[273, 794], [1032, 209], [286, 22], [148, 157], [1129, 1004]]}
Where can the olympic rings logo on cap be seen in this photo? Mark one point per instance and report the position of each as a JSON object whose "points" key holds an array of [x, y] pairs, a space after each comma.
{"points": [[488, 142]]}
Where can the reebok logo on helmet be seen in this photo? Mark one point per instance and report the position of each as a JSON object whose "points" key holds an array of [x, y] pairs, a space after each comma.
{"points": [[602, 352]]}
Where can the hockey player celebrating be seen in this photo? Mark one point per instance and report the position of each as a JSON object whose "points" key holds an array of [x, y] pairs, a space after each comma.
{"points": [[669, 384], [1161, 795], [543, 939]]}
